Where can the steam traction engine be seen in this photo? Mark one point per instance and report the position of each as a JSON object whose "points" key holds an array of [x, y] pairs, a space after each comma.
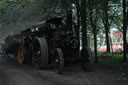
{"points": [[52, 42]]}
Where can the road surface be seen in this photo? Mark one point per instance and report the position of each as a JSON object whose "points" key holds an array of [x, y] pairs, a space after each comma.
{"points": [[12, 73]]}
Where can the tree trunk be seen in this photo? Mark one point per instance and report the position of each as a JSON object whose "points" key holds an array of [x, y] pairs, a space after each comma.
{"points": [[94, 30], [95, 45], [106, 25], [78, 18], [107, 39], [111, 44], [124, 30], [83, 23]]}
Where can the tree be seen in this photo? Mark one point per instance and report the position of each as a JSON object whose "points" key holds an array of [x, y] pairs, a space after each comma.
{"points": [[78, 18], [124, 30], [106, 23], [108, 13], [93, 18], [83, 23]]}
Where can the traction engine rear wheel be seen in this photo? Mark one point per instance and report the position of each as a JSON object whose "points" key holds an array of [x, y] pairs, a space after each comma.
{"points": [[40, 53]]}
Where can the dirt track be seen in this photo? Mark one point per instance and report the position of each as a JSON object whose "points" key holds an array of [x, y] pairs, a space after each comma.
{"points": [[12, 73]]}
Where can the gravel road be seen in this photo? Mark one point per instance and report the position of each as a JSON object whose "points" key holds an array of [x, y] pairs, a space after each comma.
{"points": [[12, 73]]}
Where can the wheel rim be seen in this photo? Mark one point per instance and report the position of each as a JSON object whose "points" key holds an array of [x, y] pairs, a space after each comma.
{"points": [[20, 56]]}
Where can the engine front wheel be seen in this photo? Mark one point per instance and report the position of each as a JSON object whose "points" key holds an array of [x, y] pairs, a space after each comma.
{"points": [[58, 61], [85, 59]]}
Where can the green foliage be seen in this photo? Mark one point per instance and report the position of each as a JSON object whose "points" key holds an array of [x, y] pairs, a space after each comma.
{"points": [[10, 9], [47, 1], [21, 4]]}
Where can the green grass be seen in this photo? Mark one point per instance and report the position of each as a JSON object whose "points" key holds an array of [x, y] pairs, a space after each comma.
{"points": [[113, 60]]}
